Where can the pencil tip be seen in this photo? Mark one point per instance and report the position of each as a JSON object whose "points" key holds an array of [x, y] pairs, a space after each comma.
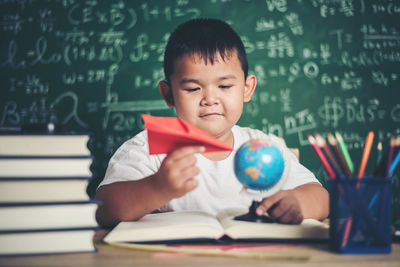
{"points": [[311, 139], [319, 139], [380, 145], [338, 136], [398, 140], [392, 140], [331, 139]]}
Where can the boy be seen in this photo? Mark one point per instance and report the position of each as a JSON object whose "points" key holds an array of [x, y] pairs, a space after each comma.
{"points": [[207, 83]]}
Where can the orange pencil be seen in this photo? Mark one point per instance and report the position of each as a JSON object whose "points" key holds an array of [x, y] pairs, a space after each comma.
{"points": [[365, 155], [363, 164]]}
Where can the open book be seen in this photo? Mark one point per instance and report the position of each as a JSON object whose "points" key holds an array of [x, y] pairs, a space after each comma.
{"points": [[182, 226]]}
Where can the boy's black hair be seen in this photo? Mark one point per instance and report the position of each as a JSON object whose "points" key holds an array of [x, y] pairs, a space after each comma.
{"points": [[206, 38]]}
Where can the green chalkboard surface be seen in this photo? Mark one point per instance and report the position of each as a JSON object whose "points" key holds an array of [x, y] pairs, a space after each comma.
{"points": [[93, 66]]}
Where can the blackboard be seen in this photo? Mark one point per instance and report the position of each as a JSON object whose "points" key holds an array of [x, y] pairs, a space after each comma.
{"points": [[93, 66]]}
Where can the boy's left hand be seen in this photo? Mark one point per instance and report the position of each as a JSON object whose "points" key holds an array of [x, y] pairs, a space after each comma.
{"points": [[283, 206]]}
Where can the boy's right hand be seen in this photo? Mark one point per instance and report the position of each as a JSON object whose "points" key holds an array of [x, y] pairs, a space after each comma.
{"points": [[176, 175]]}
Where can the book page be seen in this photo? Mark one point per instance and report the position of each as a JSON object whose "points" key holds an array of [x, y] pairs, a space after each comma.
{"points": [[308, 229], [167, 226]]}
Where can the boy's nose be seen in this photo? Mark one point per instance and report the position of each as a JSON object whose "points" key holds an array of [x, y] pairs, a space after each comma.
{"points": [[209, 97]]}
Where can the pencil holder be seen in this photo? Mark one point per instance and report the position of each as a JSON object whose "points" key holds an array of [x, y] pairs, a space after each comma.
{"points": [[360, 219]]}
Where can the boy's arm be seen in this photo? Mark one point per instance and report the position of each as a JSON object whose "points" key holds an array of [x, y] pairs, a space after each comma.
{"points": [[314, 200], [310, 200], [124, 201], [131, 200]]}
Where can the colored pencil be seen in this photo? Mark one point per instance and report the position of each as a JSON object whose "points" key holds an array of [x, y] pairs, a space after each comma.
{"points": [[379, 149], [333, 142], [345, 153], [395, 163], [364, 160], [328, 154], [390, 155], [365, 154], [396, 159], [321, 156], [347, 229], [388, 164], [331, 174]]}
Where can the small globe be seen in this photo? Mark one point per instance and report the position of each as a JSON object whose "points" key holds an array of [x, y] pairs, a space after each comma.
{"points": [[259, 165]]}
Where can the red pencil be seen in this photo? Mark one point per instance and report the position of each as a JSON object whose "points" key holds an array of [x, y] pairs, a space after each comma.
{"points": [[329, 170], [321, 157], [328, 153]]}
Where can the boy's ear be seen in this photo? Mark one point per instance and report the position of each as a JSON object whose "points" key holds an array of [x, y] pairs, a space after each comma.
{"points": [[249, 87], [166, 92]]}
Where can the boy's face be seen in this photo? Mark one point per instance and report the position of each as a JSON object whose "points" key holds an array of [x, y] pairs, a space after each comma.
{"points": [[210, 96]]}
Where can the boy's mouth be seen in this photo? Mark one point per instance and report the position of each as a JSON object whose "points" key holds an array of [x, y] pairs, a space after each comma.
{"points": [[210, 115]]}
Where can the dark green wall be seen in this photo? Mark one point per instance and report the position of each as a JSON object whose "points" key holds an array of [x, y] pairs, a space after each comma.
{"points": [[93, 66]]}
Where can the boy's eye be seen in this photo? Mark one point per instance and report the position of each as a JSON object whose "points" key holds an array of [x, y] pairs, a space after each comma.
{"points": [[192, 89], [225, 86]]}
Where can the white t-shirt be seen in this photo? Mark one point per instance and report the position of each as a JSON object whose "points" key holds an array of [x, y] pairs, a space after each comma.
{"points": [[217, 187]]}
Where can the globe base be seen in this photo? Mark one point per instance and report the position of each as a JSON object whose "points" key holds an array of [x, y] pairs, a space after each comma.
{"points": [[252, 216]]}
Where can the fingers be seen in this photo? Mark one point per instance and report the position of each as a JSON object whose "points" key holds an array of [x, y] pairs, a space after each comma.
{"points": [[175, 176], [183, 152], [190, 184], [267, 203], [189, 170], [282, 206], [182, 162]]}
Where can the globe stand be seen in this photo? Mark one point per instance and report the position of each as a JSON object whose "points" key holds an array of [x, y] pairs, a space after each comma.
{"points": [[252, 216]]}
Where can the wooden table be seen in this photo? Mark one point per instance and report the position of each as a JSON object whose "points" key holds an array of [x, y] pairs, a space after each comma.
{"points": [[318, 255]]}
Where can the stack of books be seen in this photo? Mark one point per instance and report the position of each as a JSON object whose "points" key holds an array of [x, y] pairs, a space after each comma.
{"points": [[44, 207]]}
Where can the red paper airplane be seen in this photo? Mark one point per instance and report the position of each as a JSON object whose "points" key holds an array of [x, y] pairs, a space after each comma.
{"points": [[168, 133]]}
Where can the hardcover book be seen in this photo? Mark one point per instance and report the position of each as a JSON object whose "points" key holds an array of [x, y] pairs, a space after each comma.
{"points": [[44, 145]]}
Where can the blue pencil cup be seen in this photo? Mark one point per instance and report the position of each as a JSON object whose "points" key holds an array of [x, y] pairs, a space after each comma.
{"points": [[360, 218]]}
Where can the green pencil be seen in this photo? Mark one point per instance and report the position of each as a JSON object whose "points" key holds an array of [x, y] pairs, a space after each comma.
{"points": [[345, 153]]}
